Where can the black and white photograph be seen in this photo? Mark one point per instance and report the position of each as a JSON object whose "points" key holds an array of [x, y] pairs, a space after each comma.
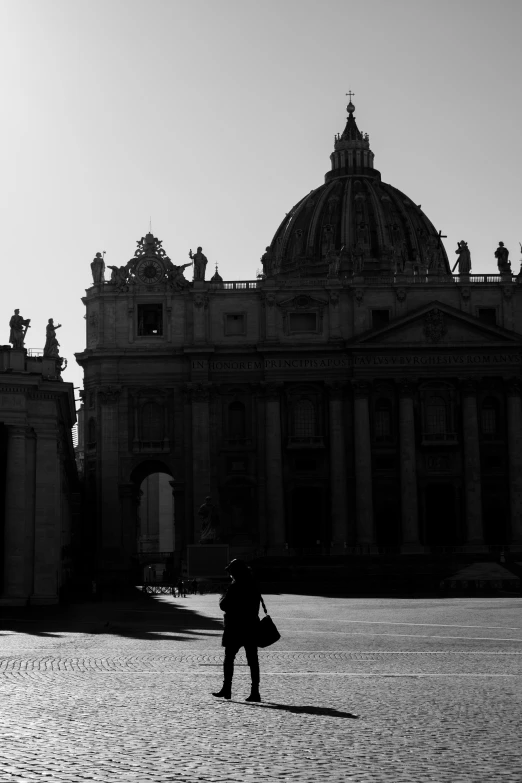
{"points": [[261, 391]]}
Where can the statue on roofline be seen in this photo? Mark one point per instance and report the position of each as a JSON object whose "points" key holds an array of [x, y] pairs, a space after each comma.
{"points": [[98, 268], [19, 327], [200, 263], [464, 259], [503, 262], [51, 343]]}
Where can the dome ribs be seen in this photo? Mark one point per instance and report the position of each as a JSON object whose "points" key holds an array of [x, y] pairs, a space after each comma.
{"points": [[380, 229]]}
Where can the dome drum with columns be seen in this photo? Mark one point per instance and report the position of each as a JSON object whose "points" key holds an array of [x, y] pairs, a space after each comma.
{"points": [[355, 223]]}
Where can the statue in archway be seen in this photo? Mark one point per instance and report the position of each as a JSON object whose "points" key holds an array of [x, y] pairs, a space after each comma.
{"points": [[209, 514]]}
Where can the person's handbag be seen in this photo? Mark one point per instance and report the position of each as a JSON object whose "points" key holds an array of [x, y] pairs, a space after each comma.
{"points": [[267, 632]]}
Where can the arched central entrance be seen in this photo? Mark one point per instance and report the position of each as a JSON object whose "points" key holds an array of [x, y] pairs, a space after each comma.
{"points": [[154, 556]]}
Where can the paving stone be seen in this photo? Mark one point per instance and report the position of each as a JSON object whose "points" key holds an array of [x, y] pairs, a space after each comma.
{"points": [[366, 690]]}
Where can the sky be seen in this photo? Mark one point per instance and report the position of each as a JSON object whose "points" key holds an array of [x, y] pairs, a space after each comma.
{"points": [[212, 118]]}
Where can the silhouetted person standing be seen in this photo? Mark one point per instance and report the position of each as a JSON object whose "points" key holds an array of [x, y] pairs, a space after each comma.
{"points": [[240, 603]]}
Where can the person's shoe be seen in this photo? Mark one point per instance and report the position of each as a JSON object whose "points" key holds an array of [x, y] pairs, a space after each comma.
{"points": [[254, 695], [224, 693]]}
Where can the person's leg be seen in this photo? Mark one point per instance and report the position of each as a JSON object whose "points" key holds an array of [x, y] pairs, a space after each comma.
{"points": [[253, 662], [228, 671]]}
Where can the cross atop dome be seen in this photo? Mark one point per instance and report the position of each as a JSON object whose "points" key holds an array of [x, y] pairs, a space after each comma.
{"points": [[350, 108]]}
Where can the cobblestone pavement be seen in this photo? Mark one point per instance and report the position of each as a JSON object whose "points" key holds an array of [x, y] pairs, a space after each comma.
{"points": [[363, 690]]}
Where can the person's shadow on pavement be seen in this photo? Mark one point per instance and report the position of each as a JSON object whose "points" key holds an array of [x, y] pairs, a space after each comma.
{"points": [[303, 710]]}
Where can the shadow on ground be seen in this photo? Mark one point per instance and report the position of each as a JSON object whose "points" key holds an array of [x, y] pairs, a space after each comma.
{"points": [[138, 617], [301, 710]]}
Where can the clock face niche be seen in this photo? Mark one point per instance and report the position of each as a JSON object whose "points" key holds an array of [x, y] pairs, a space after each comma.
{"points": [[150, 271]]}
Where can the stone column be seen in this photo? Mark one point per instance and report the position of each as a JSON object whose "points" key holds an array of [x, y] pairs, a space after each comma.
{"points": [[48, 517], [128, 494], [275, 501], [408, 457], [14, 591], [180, 536], [514, 426], [472, 488], [200, 312], [269, 302], [335, 324], [108, 476], [200, 395], [363, 465], [338, 488]]}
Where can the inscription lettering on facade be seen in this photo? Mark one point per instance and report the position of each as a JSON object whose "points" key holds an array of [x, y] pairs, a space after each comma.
{"points": [[341, 362]]}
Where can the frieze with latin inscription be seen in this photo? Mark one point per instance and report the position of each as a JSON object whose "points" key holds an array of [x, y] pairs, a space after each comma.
{"points": [[366, 360]]}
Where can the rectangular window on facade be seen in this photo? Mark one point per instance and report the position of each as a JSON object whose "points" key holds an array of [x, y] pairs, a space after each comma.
{"points": [[488, 315], [380, 319], [303, 322], [150, 320], [235, 324]]}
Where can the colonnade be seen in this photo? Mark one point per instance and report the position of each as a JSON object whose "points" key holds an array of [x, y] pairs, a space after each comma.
{"points": [[361, 529], [33, 516]]}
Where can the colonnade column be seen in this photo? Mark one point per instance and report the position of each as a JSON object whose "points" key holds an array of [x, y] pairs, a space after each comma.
{"points": [[129, 519], [15, 510], [111, 555], [472, 488], [200, 394], [408, 458], [274, 469], [180, 538], [48, 516], [338, 489], [363, 465], [514, 425]]}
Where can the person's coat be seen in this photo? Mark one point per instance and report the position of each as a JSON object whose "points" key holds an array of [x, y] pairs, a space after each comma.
{"points": [[240, 603]]}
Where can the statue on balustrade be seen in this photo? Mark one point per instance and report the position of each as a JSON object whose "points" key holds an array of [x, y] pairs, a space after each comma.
{"points": [[464, 259], [267, 260], [209, 514], [98, 268], [200, 263], [19, 327], [503, 262], [51, 343]]}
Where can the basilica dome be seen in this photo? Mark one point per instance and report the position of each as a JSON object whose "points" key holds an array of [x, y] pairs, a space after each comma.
{"points": [[355, 223]]}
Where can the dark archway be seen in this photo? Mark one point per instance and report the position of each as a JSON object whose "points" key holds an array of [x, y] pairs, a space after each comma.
{"points": [[441, 518], [154, 522], [308, 528]]}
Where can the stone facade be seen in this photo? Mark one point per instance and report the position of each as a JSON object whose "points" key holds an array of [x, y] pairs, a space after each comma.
{"points": [[38, 479], [356, 397]]}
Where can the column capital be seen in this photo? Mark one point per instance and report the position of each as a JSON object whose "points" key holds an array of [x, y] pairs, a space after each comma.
{"points": [[198, 392], [336, 389], [407, 387], [130, 491], [361, 388], [514, 387], [177, 486], [272, 389], [469, 387], [109, 395], [18, 431]]}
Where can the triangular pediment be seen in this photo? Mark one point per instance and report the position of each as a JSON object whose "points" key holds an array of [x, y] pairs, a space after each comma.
{"points": [[303, 302], [438, 324]]}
